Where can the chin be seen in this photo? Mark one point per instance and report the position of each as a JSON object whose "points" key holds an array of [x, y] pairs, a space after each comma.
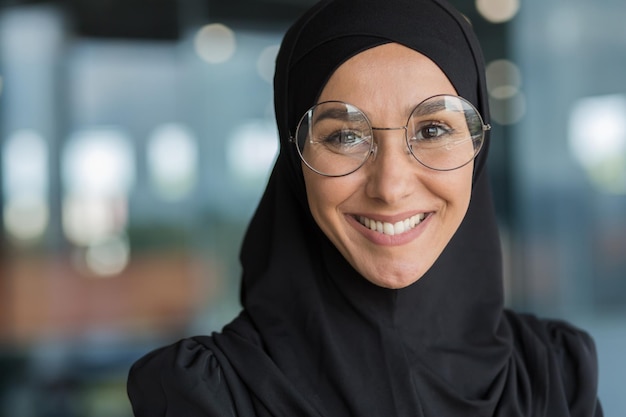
{"points": [[393, 282]]}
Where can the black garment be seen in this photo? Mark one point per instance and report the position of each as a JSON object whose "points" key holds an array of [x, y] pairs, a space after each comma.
{"points": [[317, 339]]}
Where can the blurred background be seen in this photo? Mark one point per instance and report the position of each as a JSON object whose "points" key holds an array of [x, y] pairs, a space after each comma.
{"points": [[136, 137]]}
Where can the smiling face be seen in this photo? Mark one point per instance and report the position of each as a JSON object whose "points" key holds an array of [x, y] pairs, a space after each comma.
{"points": [[392, 218]]}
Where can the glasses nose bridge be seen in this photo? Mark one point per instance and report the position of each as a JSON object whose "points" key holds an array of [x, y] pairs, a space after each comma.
{"points": [[405, 128]]}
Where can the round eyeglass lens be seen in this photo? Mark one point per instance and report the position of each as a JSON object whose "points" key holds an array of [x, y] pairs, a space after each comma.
{"points": [[445, 132], [334, 138]]}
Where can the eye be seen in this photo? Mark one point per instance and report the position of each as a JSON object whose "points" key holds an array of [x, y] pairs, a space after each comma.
{"points": [[344, 137], [346, 141], [431, 131]]}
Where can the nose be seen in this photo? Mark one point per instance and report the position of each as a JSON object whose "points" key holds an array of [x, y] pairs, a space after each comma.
{"points": [[391, 169]]}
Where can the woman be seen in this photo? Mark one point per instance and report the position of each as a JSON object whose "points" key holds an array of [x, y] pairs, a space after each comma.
{"points": [[372, 280]]}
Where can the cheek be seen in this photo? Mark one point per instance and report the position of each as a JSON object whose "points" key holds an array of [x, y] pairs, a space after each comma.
{"points": [[320, 195], [460, 191], [317, 194], [325, 195], [454, 189]]}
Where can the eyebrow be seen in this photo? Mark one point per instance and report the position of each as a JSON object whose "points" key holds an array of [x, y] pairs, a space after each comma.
{"points": [[424, 109], [335, 113]]}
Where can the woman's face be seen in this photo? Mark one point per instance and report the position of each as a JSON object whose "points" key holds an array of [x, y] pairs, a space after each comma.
{"points": [[386, 83]]}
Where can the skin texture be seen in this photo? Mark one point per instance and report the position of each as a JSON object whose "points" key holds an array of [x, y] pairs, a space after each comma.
{"points": [[387, 82]]}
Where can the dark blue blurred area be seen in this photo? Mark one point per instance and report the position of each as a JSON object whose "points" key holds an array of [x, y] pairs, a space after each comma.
{"points": [[66, 382]]}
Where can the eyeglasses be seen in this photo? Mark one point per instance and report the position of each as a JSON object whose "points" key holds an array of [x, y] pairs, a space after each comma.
{"points": [[443, 133]]}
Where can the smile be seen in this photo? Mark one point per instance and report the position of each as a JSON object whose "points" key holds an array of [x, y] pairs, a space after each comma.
{"points": [[392, 229]]}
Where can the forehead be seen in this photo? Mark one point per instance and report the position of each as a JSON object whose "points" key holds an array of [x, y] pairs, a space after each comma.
{"points": [[389, 76]]}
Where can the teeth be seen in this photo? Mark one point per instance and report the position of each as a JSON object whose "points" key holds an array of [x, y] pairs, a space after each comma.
{"points": [[392, 229]]}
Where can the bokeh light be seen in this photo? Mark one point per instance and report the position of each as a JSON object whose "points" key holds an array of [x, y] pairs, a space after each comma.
{"points": [[172, 157], [26, 218], [87, 219], [252, 150], [504, 78], [98, 175], [509, 110], [108, 257], [267, 62], [498, 11], [507, 101], [99, 162], [25, 185], [215, 43], [600, 148]]}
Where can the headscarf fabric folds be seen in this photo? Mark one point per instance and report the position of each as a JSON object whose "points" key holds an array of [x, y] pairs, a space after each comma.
{"points": [[317, 339]]}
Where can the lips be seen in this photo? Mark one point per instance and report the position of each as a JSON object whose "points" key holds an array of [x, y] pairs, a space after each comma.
{"points": [[392, 229]]}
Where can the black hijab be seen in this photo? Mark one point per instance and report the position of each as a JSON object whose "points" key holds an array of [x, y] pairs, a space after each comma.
{"points": [[317, 339]]}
